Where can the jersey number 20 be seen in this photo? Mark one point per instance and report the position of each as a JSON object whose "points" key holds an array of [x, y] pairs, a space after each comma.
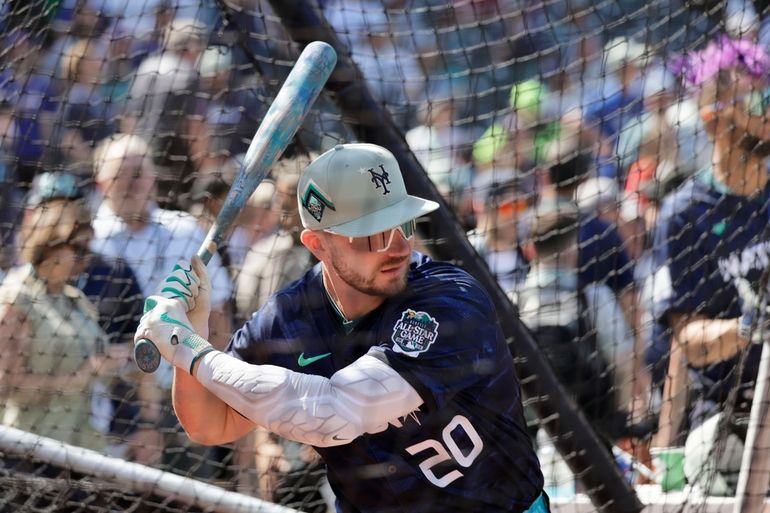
{"points": [[449, 450]]}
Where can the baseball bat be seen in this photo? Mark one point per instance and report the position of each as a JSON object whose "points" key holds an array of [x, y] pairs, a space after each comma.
{"points": [[283, 119]]}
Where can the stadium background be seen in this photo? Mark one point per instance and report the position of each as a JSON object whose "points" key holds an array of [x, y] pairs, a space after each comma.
{"points": [[468, 94]]}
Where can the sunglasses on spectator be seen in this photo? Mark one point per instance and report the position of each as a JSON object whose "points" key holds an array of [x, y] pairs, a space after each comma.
{"points": [[512, 207], [381, 242]]}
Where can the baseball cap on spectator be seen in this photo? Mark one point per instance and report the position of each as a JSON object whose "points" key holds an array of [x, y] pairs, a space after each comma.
{"points": [[527, 96], [357, 190], [596, 192], [214, 60], [55, 185], [622, 51]]}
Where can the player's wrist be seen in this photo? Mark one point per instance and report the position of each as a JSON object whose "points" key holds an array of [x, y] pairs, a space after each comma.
{"points": [[194, 347]]}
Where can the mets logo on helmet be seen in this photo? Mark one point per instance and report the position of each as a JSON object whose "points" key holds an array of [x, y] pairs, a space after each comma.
{"points": [[414, 332]]}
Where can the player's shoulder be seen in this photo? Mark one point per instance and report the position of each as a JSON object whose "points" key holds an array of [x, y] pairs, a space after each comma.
{"points": [[442, 282]]}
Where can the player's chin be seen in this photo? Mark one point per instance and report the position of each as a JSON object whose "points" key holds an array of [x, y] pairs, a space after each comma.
{"points": [[393, 280]]}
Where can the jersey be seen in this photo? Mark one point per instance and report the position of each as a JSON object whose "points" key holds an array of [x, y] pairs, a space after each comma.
{"points": [[466, 448], [705, 239]]}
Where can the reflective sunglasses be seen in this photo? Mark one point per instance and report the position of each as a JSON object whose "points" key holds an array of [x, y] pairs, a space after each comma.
{"points": [[380, 242]]}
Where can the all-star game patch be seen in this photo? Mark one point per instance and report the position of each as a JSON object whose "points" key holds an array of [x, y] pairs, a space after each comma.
{"points": [[315, 203], [414, 332]]}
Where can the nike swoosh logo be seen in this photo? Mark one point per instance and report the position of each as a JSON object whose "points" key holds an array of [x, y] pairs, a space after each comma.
{"points": [[165, 318], [302, 361], [335, 437]]}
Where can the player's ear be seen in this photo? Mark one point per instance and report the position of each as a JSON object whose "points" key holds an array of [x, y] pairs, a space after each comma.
{"points": [[314, 242]]}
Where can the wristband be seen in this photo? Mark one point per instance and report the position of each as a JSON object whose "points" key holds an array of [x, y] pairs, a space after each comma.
{"points": [[200, 347]]}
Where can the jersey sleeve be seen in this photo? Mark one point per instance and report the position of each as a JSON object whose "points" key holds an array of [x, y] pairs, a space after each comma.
{"points": [[442, 344]]}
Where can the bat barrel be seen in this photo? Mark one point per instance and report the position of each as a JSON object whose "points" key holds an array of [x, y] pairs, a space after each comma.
{"points": [[283, 119]]}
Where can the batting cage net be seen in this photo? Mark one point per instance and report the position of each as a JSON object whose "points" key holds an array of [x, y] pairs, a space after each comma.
{"points": [[600, 168]]}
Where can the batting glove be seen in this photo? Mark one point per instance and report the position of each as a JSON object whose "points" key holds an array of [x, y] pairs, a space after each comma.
{"points": [[166, 325], [189, 284], [754, 322]]}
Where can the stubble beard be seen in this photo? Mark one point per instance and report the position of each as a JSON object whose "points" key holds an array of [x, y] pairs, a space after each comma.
{"points": [[369, 285]]}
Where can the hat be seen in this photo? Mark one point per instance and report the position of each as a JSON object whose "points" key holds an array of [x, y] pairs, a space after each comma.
{"points": [[595, 192], [623, 51], [215, 59], [356, 190], [55, 185]]}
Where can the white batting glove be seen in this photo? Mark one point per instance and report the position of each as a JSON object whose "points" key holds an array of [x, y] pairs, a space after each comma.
{"points": [[189, 285], [166, 325]]}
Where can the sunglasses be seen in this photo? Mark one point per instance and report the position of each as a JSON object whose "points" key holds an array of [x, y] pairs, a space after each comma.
{"points": [[381, 242]]}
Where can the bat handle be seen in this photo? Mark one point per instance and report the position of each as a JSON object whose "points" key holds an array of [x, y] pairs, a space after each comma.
{"points": [[146, 355]]}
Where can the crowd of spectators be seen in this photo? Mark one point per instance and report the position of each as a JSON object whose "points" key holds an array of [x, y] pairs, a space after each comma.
{"points": [[128, 130]]}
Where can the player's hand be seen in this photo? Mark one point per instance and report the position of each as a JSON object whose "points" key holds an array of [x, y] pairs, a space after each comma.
{"points": [[165, 324], [189, 284], [754, 322], [181, 285]]}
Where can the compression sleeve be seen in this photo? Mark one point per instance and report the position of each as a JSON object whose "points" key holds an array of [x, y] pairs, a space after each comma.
{"points": [[360, 398]]}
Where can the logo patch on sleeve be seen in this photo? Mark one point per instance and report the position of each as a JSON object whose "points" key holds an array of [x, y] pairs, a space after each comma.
{"points": [[414, 332]]}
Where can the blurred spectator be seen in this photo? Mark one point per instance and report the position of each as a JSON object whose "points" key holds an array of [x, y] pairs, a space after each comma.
{"points": [[600, 196], [71, 21], [711, 249], [129, 224], [602, 257], [256, 220], [440, 144], [497, 236], [579, 327], [54, 350], [227, 110], [620, 100], [392, 71], [278, 258], [160, 104], [87, 116], [124, 407], [516, 141], [11, 204], [27, 105]]}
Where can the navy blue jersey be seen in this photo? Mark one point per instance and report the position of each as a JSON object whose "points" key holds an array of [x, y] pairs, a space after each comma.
{"points": [[705, 239], [602, 257], [466, 448]]}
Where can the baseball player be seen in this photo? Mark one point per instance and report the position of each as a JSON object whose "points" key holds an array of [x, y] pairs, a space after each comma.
{"points": [[391, 365]]}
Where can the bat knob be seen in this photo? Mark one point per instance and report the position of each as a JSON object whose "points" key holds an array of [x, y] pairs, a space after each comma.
{"points": [[146, 356]]}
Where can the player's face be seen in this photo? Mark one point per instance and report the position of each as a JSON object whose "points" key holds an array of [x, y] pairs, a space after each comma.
{"points": [[375, 265]]}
